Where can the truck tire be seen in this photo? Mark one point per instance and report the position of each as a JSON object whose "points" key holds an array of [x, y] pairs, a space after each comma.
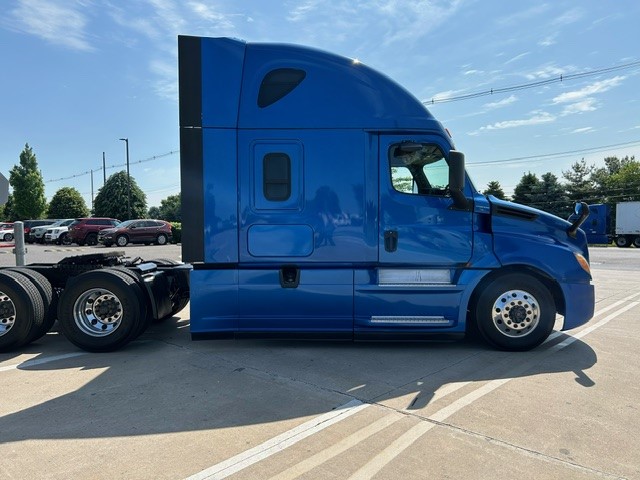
{"points": [[622, 242], [178, 301], [515, 312], [636, 242], [146, 314], [49, 299], [21, 310], [101, 310]]}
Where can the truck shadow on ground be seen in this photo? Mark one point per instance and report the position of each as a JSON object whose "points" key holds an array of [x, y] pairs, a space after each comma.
{"points": [[164, 383]]}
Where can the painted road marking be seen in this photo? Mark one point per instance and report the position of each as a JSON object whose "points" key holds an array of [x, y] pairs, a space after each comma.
{"points": [[279, 443]]}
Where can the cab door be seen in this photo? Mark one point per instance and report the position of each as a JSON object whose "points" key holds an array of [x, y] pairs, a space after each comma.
{"points": [[418, 222]]}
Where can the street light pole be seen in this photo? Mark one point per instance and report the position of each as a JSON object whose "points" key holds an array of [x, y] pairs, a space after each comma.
{"points": [[126, 141]]}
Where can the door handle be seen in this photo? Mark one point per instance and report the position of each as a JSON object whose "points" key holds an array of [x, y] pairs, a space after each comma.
{"points": [[390, 240]]}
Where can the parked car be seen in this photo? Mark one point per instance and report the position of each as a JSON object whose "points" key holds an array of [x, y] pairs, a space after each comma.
{"points": [[29, 224], [57, 235], [37, 233], [6, 231], [136, 231], [85, 230]]}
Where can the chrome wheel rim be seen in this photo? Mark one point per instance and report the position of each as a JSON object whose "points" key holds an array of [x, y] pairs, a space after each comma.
{"points": [[7, 314], [516, 313], [98, 312]]}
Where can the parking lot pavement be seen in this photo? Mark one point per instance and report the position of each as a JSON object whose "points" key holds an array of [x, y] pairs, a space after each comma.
{"points": [[167, 407]]}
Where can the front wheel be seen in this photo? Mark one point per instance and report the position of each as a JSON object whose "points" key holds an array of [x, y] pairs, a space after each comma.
{"points": [[515, 312], [8, 237], [122, 240]]}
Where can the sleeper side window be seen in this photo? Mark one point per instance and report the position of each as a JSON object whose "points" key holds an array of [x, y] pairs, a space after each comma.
{"points": [[277, 84], [418, 169], [276, 184]]}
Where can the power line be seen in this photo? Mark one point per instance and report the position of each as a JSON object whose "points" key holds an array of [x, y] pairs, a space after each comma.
{"points": [[523, 86], [109, 167], [553, 156]]}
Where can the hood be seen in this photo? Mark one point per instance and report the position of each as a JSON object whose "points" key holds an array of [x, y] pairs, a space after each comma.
{"points": [[510, 218]]}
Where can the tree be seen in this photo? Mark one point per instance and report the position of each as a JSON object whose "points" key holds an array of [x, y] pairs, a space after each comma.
{"points": [[6, 211], [169, 210], [580, 186], [29, 200], [494, 188], [67, 203], [625, 183], [526, 190], [111, 200], [552, 197]]}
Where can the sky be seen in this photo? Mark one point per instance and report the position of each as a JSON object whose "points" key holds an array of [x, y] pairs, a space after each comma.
{"points": [[78, 75]]}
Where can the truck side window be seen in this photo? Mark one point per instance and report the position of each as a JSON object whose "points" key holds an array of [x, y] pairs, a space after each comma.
{"points": [[277, 84], [419, 169], [276, 184]]}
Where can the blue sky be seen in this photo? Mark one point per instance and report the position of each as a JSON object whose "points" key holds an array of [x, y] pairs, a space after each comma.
{"points": [[77, 75]]}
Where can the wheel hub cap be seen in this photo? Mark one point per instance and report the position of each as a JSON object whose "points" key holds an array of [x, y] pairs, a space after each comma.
{"points": [[516, 313], [7, 314], [98, 312]]}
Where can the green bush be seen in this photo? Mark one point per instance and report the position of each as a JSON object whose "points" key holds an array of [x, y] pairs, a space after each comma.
{"points": [[176, 231]]}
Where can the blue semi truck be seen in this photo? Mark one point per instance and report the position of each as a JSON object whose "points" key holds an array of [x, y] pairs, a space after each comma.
{"points": [[319, 199], [322, 199]]}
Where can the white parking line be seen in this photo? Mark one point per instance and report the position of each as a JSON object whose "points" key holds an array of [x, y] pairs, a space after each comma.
{"points": [[279, 443]]}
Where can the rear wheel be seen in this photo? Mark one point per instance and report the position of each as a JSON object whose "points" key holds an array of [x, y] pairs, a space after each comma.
{"points": [[101, 310], [8, 237], [636, 242], [21, 310], [161, 239], [92, 239], [49, 299], [622, 242], [515, 312]]}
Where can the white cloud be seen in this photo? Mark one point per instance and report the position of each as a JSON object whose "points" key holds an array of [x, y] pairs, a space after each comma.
{"points": [[211, 15], [568, 17], [548, 71], [57, 22], [548, 41], [536, 118], [517, 57], [596, 87], [582, 130], [586, 105], [501, 103]]}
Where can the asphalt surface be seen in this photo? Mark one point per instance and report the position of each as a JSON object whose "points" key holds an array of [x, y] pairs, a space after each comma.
{"points": [[167, 407]]}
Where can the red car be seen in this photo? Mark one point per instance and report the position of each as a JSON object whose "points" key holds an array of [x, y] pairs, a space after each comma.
{"points": [[143, 230], [85, 230]]}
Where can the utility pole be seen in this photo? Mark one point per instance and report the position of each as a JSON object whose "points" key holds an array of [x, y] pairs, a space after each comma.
{"points": [[91, 191], [126, 141], [104, 171]]}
